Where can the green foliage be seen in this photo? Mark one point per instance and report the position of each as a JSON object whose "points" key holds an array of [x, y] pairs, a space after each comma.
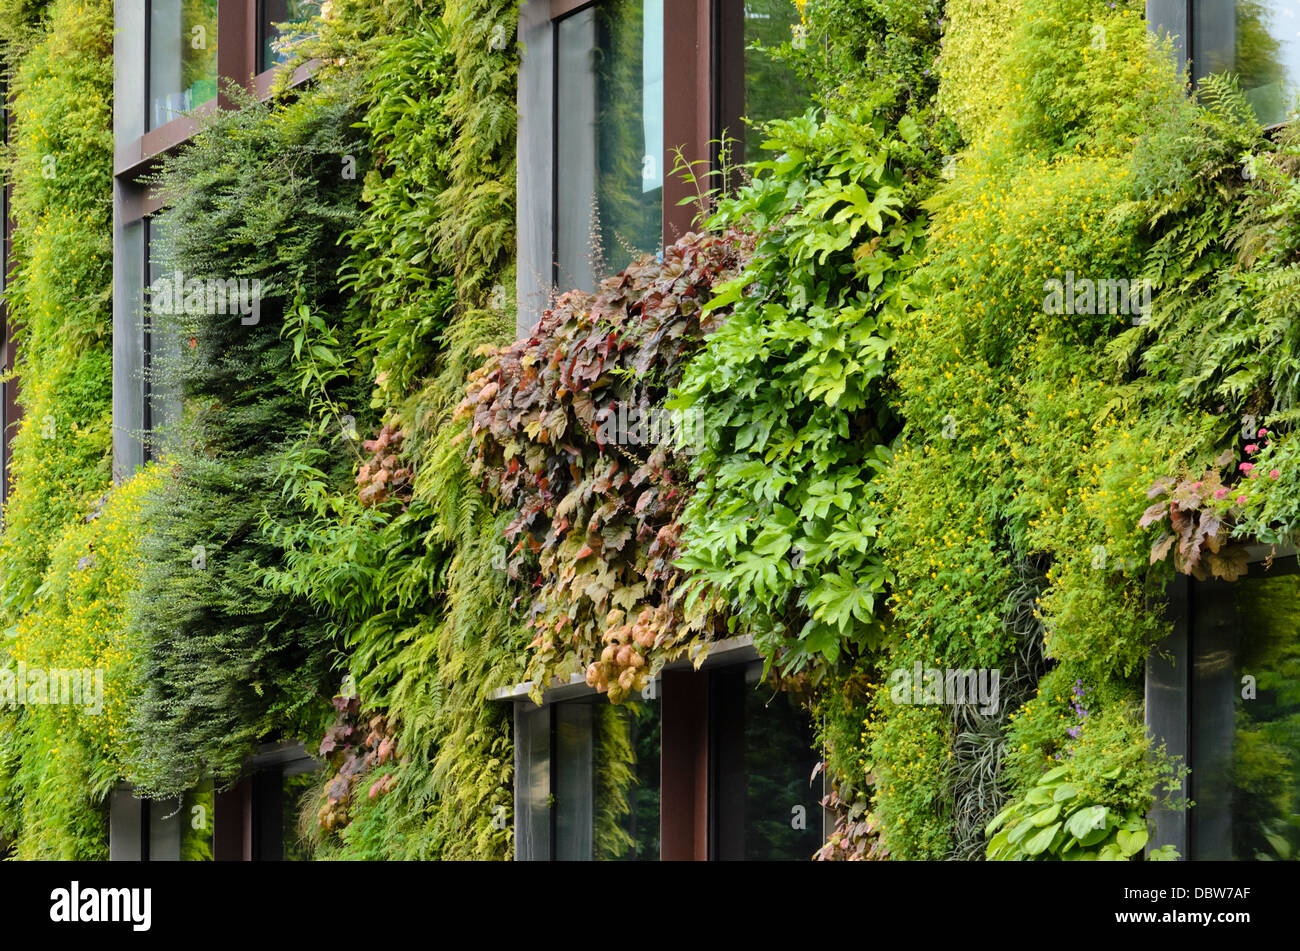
{"points": [[841, 715], [911, 450], [425, 619], [568, 429], [393, 268], [70, 755], [791, 389], [57, 763], [1221, 338], [1024, 445], [1102, 777], [59, 287], [227, 660], [876, 53], [1055, 821], [974, 42]]}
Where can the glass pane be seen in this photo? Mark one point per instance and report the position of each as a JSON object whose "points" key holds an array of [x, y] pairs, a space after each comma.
{"points": [[532, 783], [609, 135], [292, 791], [1258, 40], [196, 824], [626, 810], [767, 806], [161, 348], [773, 90], [128, 363], [182, 57], [1246, 717], [573, 787], [275, 13]]}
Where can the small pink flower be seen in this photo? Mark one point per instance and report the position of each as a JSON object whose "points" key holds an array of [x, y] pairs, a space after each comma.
{"points": [[1273, 474], [1241, 500], [1254, 474], [1263, 433], [1196, 485], [1246, 466], [1220, 493], [1251, 447]]}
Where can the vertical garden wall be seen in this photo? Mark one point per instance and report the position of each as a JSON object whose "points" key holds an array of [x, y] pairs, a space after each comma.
{"points": [[63, 580], [917, 444]]}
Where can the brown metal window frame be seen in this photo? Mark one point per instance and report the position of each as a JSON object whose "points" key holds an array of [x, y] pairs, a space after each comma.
{"points": [[689, 106], [238, 33]]}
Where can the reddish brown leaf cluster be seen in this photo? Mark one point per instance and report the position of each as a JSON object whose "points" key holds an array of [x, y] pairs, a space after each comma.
{"points": [[354, 746], [1198, 532], [626, 647], [596, 501], [856, 837], [384, 476]]}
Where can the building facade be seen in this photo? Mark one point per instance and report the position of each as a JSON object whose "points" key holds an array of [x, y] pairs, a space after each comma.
{"points": [[615, 97]]}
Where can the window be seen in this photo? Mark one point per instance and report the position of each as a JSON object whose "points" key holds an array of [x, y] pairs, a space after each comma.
{"points": [[609, 92], [255, 819], [196, 823], [764, 804], [278, 792], [272, 15], [754, 81], [1245, 715], [160, 399], [161, 830], [587, 784], [182, 54], [609, 138], [1259, 41], [594, 780]]}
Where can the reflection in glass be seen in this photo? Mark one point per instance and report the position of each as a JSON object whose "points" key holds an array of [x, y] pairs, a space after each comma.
{"points": [[767, 806], [533, 782], [1259, 41], [162, 347], [587, 785], [626, 802], [292, 791], [1246, 717], [773, 90], [182, 57], [277, 13], [609, 153], [196, 824], [573, 789]]}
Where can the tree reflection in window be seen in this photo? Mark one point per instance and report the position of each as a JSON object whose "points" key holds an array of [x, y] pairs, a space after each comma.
{"points": [[626, 812], [609, 139], [182, 57], [1259, 42], [1246, 717], [773, 89]]}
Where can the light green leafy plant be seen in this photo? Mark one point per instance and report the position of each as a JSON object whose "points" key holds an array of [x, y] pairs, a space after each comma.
{"points": [[1054, 821], [791, 390]]}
